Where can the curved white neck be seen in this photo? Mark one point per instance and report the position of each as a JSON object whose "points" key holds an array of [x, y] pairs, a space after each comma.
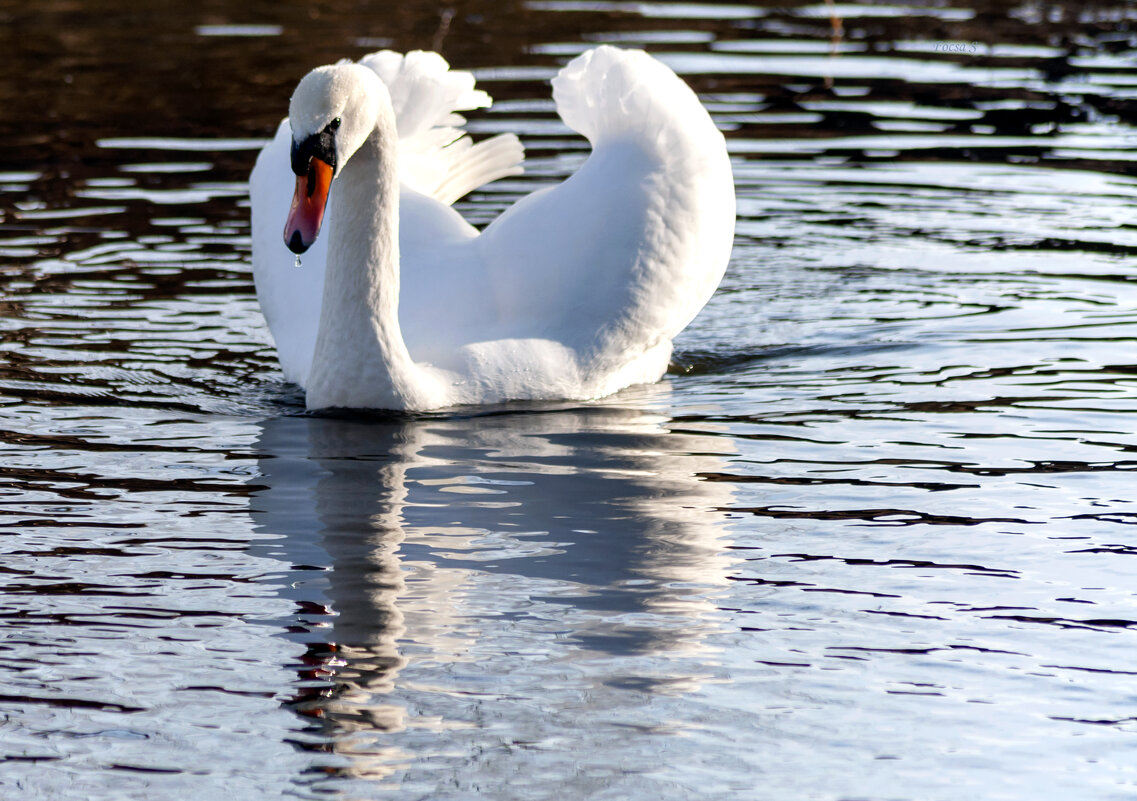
{"points": [[361, 360]]}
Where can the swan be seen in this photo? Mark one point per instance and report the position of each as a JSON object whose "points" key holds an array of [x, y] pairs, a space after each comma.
{"points": [[574, 292]]}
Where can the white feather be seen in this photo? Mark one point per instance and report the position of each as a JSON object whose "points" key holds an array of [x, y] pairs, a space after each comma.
{"points": [[575, 291]]}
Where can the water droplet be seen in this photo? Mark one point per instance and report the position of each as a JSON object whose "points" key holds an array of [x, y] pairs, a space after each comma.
{"points": [[297, 259]]}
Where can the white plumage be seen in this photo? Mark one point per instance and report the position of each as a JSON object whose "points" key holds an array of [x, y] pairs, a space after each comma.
{"points": [[574, 292]]}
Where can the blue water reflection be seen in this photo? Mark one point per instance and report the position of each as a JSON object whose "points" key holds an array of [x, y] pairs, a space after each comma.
{"points": [[455, 563]]}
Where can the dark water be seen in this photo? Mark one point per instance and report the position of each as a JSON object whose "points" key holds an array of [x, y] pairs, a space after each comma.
{"points": [[872, 539]]}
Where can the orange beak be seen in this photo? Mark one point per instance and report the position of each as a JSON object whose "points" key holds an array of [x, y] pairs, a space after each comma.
{"points": [[308, 204]]}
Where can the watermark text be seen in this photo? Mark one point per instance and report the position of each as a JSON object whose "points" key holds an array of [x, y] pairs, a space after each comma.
{"points": [[957, 47]]}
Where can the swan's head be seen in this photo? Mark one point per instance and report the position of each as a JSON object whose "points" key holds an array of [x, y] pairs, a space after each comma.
{"points": [[333, 111]]}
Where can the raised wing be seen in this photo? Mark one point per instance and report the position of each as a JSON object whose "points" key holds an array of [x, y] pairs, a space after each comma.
{"points": [[619, 258]]}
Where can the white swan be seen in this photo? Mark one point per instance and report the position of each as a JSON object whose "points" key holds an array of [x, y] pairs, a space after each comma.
{"points": [[573, 293]]}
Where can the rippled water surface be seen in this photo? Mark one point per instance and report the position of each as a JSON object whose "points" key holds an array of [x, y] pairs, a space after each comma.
{"points": [[873, 537]]}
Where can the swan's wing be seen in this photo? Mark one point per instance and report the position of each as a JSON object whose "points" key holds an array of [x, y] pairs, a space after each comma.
{"points": [[436, 157], [619, 258], [289, 295]]}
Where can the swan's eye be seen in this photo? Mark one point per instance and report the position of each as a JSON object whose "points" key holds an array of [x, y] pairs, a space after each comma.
{"points": [[334, 125]]}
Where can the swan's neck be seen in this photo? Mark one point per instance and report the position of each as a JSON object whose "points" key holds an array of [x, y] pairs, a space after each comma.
{"points": [[361, 360]]}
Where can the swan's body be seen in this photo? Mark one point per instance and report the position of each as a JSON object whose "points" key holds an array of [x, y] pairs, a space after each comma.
{"points": [[574, 292]]}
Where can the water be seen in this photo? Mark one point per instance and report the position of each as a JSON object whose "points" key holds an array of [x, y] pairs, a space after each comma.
{"points": [[871, 539]]}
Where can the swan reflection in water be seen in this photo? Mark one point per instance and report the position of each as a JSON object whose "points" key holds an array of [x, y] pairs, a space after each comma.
{"points": [[442, 565]]}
